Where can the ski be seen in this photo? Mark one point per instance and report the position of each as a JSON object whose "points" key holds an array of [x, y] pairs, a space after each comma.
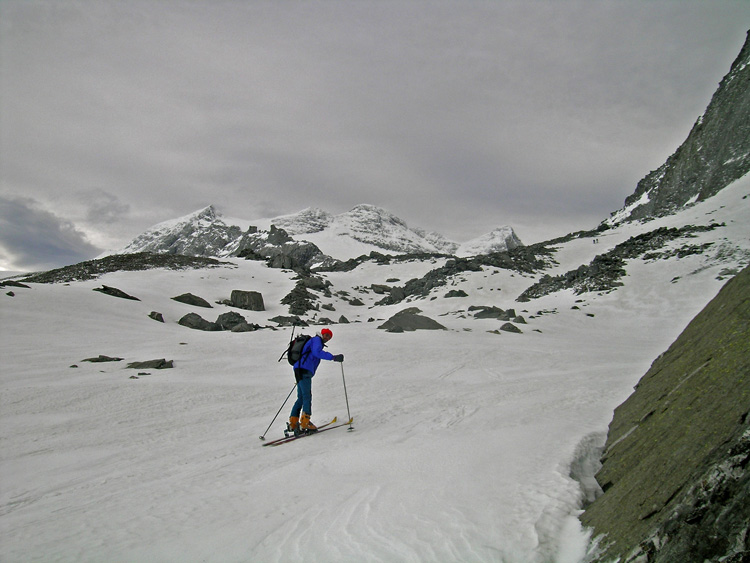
{"points": [[272, 442], [323, 428]]}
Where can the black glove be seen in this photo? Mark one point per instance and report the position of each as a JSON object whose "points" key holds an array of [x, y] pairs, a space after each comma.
{"points": [[338, 358]]}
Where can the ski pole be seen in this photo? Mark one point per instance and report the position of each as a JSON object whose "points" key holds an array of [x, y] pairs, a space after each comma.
{"points": [[347, 397], [263, 437]]}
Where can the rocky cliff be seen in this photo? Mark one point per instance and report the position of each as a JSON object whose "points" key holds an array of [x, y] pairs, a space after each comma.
{"points": [[675, 469], [715, 153]]}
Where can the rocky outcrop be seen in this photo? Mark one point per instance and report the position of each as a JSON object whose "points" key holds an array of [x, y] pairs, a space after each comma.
{"points": [[92, 269], [604, 272], [525, 259], [281, 251], [675, 471], [716, 152]]}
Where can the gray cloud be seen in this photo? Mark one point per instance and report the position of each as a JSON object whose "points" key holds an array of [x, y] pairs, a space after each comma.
{"points": [[34, 239], [457, 116]]}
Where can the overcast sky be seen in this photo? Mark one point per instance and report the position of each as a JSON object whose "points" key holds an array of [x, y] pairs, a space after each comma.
{"points": [[457, 116]]}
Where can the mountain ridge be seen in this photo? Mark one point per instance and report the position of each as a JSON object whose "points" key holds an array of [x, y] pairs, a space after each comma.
{"points": [[361, 230], [715, 153]]}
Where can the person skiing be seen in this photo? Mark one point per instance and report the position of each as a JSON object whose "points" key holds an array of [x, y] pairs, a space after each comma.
{"points": [[304, 371]]}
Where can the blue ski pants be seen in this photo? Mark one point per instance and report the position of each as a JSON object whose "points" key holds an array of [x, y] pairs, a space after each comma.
{"points": [[304, 394]]}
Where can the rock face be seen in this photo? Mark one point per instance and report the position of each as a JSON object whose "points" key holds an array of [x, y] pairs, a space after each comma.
{"points": [[675, 469], [716, 152]]}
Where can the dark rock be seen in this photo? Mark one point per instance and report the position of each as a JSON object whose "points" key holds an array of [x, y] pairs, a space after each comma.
{"points": [[408, 320], [248, 300], [484, 312], [288, 321], [152, 364], [300, 300], [195, 321], [190, 299], [380, 289], [676, 466], [13, 283], [123, 262], [456, 293], [245, 327], [510, 327], [227, 321], [114, 292], [343, 320], [156, 316], [102, 358]]}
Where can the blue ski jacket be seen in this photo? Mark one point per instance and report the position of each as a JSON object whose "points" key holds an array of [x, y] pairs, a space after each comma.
{"points": [[311, 355]]}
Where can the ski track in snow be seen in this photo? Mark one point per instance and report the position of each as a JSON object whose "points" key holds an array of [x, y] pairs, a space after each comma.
{"points": [[462, 439]]}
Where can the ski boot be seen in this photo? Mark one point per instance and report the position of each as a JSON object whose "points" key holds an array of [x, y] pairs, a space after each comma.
{"points": [[292, 427], [306, 425]]}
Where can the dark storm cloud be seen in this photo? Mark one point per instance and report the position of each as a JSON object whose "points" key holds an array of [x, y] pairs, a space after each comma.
{"points": [[34, 239], [456, 116]]}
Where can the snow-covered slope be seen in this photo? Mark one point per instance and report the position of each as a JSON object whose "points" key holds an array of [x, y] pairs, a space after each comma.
{"points": [[463, 438]]}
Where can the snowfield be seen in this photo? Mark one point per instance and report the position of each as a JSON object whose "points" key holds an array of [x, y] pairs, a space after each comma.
{"points": [[463, 438]]}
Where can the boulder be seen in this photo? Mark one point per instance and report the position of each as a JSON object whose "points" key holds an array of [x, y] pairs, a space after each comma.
{"points": [[483, 312], [456, 293], [195, 321], [102, 358], [114, 292], [248, 300], [408, 320], [156, 316], [190, 299], [245, 327], [288, 321], [152, 364], [227, 321]]}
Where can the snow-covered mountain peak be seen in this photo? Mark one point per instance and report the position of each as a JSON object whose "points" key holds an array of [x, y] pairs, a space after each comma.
{"points": [[201, 233], [310, 220], [500, 239], [361, 230]]}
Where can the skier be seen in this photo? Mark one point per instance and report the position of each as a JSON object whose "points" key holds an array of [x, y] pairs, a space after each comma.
{"points": [[304, 371]]}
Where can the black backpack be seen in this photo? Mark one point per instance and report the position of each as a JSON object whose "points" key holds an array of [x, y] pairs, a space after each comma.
{"points": [[294, 351]]}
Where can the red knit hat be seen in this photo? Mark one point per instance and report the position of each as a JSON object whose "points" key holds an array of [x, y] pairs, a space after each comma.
{"points": [[326, 334]]}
